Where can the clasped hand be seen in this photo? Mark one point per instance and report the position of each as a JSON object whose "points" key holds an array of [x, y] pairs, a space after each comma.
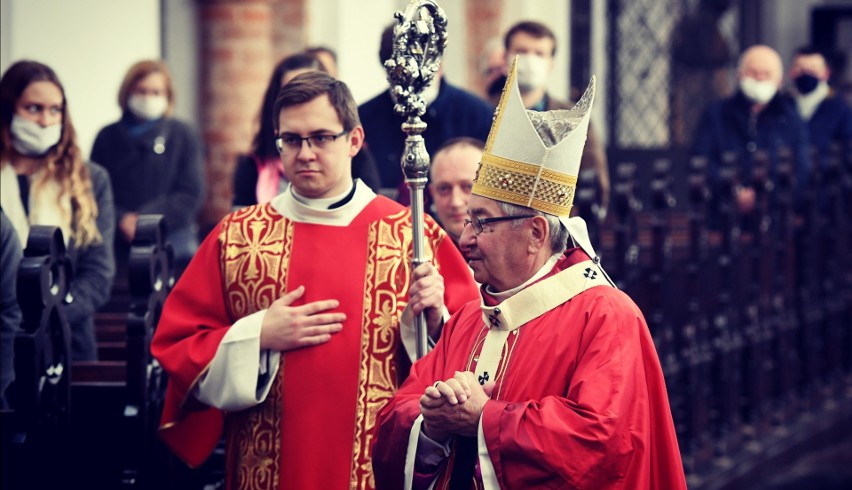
{"points": [[288, 327], [454, 406]]}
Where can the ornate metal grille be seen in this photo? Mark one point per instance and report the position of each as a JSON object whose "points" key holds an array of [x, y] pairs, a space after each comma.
{"points": [[668, 59]]}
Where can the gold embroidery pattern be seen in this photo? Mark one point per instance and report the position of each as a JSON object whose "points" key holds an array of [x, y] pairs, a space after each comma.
{"points": [[255, 255], [525, 185], [253, 251], [386, 295], [254, 444]]}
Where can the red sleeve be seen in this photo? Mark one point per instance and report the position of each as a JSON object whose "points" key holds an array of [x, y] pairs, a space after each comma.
{"points": [[192, 324], [394, 422], [601, 433]]}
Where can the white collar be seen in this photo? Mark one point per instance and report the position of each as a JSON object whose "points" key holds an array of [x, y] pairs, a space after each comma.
{"points": [[305, 210]]}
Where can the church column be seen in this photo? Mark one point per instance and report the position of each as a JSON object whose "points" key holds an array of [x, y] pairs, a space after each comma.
{"points": [[483, 23], [289, 27], [236, 62]]}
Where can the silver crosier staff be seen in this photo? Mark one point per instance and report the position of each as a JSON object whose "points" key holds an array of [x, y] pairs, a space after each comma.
{"points": [[419, 39]]}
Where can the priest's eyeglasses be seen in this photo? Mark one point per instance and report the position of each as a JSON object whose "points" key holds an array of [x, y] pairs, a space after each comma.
{"points": [[478, 222], [289, 142]]}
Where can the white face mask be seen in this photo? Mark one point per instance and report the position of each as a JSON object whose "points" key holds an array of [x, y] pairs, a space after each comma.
{"points": [[532, 72], [31, 139], [148, 106], [758, 92]]}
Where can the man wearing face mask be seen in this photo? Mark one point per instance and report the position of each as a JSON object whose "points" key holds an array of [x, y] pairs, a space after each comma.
{"points": [[534, 44], [755, 119], [154, 161], [450, 113], [828, 117]]}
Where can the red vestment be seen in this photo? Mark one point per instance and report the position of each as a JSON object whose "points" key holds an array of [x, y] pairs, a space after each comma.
{"points": [[315, 427], [580, 400]]}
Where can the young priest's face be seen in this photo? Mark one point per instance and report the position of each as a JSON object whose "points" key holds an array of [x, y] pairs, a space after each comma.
{"points": [[317, 170]]}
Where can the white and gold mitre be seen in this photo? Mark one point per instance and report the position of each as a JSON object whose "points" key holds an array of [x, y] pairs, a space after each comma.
{"points": [[532, 158]]}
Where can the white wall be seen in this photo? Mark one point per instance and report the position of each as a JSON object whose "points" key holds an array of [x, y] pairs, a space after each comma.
{"points": [[90, 44]]}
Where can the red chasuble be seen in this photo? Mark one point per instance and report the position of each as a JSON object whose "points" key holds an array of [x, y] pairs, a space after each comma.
{"points": [[315, 428], [580, 400]]}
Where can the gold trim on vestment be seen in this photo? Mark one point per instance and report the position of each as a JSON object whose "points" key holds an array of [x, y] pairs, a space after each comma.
{"points": [[525, 184]]}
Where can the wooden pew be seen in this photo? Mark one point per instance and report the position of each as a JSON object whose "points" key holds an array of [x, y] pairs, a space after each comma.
{"points": [[35, 431], [117, 399]]}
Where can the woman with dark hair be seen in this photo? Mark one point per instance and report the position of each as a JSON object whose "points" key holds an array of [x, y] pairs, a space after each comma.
{"points": [[154, 160], [260, 175], [46, 182]]}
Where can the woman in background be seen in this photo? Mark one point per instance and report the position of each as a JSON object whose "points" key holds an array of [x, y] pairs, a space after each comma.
{"points": [[154, 161], [260, 175], [46, 182]]}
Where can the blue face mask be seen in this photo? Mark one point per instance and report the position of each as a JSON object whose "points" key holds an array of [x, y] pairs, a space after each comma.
{"points": [[806, 83]]}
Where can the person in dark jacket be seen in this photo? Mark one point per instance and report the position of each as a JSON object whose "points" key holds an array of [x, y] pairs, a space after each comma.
{"points": [[154, 162], [10, 312], [828, 117], [46, 182], [260, 175], [450, 113], [756, 118]]}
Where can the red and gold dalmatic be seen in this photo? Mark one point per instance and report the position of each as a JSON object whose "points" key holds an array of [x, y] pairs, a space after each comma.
{"points": [[315, 428]]}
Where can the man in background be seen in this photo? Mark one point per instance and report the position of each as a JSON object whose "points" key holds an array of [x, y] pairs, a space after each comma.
{"points": [[451, 179], [535, 46], [828, 117]]}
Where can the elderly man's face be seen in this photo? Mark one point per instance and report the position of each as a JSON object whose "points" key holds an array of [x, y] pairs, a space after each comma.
{"points": [[499, 256], [762, 64], [453, 171]]}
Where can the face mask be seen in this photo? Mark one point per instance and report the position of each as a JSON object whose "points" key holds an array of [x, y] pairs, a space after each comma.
{"points": [[148, 106], [430, 93], [758, 92], [532, 72], [29, 138], [806, 83]]}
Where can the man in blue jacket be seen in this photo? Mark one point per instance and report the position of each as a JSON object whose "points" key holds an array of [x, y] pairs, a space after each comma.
{"points": [[827, 115], [450, 113], [755, 119]]}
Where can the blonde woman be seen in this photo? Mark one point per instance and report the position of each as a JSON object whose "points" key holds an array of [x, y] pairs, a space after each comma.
{"points": [[46, 182], [153, 160]]}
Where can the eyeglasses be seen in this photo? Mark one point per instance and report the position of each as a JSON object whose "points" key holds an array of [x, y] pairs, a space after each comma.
{"points": [[477, 222], [293, 142]]}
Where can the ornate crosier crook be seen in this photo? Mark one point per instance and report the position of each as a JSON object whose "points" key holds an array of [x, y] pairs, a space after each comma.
{"points": [[419, 39]]}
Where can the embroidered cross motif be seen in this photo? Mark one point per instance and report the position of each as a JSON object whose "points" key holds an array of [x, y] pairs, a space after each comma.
{"points": [[494, 318], [483, 378], [590, 273]]}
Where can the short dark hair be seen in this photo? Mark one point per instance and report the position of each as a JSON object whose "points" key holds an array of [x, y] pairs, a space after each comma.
{"points": [[308, 86], [264, 141], [534, 29], [809, 50], [462, 140]]}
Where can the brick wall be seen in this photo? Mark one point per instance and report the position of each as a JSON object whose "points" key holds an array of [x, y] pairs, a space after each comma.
{"points": [[241, 40], [483, 23]]}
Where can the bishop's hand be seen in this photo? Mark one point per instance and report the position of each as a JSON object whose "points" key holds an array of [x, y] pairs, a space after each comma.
{"points": [[454, 406], [288, 327]]}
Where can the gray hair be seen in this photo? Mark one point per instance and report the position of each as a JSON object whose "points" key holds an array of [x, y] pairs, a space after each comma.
{"points": [[558, 233]]}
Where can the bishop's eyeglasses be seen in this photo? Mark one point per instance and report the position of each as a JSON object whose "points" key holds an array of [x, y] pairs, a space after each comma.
{"points": [[289, 142], [478, 222]]}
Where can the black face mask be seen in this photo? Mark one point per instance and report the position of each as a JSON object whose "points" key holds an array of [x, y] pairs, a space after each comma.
{"points": [[806, 83], [496, 86]]}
